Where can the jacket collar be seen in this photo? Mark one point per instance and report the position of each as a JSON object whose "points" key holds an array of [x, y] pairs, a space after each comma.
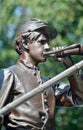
{"points": [[29, 65]]}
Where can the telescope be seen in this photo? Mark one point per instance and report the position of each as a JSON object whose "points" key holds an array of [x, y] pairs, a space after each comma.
{"points": [[75, 49]]}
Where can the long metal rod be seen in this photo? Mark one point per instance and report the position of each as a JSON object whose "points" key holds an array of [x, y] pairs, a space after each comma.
{"points": [[40, 88]]}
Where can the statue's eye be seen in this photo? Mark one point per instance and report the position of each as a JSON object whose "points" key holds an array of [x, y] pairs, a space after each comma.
{"points": [[43, 42]]}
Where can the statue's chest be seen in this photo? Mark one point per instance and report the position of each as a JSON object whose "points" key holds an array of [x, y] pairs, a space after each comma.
{"points": [[43, 102]]}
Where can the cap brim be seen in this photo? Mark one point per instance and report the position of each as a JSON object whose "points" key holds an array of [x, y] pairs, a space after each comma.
{"points": [[48, 31]]}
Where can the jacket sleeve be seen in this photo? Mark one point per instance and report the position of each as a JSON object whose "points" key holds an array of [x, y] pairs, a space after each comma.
{"points": [[70, 95], [6, 86], [63, 95], [73, 95], [76, 83]]}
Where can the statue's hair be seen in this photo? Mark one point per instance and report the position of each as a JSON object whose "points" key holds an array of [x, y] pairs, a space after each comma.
{"points": [[25, 39]]}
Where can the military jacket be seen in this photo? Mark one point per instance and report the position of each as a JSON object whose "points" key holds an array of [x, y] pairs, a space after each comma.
{"points": [[38, 111]]}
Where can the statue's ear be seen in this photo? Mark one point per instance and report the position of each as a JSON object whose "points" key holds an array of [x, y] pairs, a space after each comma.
{"points": [[26, 46]]}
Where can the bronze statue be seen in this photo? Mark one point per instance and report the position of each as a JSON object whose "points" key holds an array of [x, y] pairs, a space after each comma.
{"points": [[38, 113]]}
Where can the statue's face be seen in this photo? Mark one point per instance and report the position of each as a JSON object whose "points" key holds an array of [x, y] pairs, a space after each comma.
{"points": [[37, 48]]}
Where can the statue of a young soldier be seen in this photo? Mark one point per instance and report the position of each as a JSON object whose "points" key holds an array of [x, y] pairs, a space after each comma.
{"points": [[38, 113]]}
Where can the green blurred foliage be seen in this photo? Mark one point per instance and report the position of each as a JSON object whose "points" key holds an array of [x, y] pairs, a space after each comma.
{"points": [[66, 17], [69, 118]]}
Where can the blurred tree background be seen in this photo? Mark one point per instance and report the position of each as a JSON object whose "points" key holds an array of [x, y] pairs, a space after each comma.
{"points": [[66, 17]]}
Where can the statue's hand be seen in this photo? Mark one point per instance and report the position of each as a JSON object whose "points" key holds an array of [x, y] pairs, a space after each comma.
{"points": [[64, 59]]}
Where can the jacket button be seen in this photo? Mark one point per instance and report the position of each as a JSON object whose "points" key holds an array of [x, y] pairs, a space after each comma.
{"points": [[43, 118], [45, 100], [47, 109]]}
